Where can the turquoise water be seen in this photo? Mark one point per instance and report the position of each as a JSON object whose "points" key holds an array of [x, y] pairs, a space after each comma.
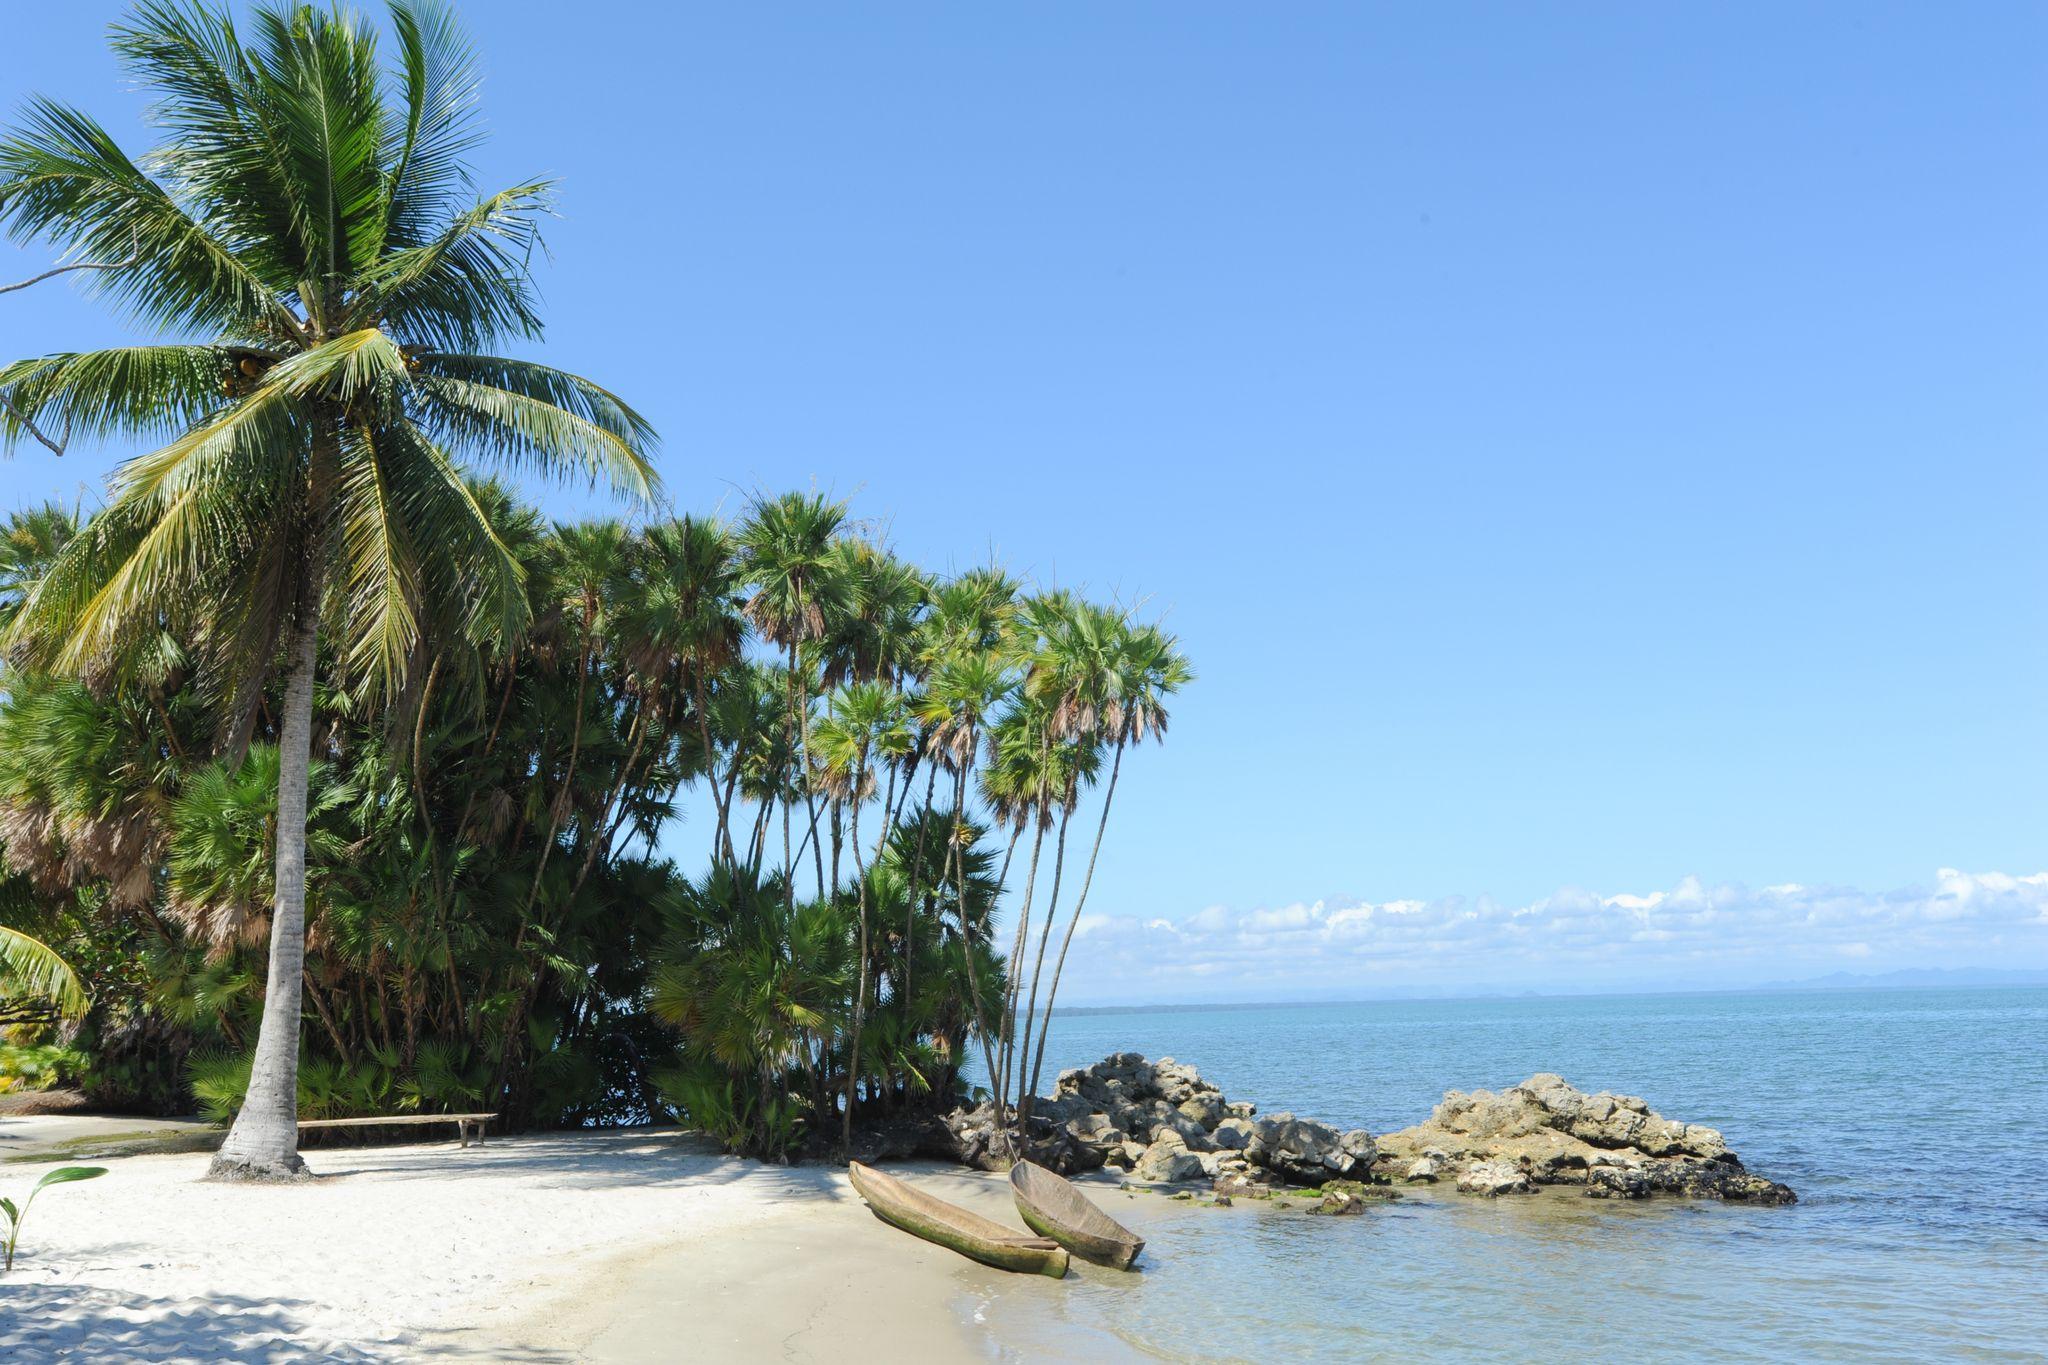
{"points": [[1913, 1124]]}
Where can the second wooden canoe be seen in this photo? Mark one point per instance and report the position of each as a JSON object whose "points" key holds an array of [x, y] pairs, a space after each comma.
{"points": [[1053, 1206], [958, 1229]]}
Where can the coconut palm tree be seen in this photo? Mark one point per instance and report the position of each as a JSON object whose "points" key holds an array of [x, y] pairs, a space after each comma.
{"points": [[310, 215]]}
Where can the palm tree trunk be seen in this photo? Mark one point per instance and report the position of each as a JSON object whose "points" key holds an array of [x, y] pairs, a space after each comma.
{"points": [[916, 870], [1052, 908], [860, 993], [722, 837], [959, 859], [788, 852], [1080, 901], [263, 1143], [1010, 992], [600, 839], [803, 763]]}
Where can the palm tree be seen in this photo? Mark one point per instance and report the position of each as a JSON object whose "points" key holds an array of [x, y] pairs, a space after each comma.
{"points": [[308, 214], [961, 698], [867, 723], [1147, 667], [687, 630], [787, 556]]}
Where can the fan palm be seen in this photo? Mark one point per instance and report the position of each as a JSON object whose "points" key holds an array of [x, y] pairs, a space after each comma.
{"points": [[866, 723], [787, 556], [310, 216], [686, 629], [1145, 668]]}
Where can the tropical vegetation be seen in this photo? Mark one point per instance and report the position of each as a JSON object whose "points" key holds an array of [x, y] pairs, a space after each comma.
{"points": [[335, 779]]}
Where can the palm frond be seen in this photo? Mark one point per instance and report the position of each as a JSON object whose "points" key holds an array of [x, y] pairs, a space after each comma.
{"points": [[122, 391], [34, 968], [531, 434], [63, 177], [546, 384], [438, 77], [379, 566], [469, 285]]}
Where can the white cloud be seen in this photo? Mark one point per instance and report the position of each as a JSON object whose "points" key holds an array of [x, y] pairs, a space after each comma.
{"points": [[1690, 934]]}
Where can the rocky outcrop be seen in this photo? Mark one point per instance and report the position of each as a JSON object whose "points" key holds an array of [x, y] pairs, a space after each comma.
{"points": [[1304, 1152], [1166, 1125], [1493, 1179], [1548, 1132]]}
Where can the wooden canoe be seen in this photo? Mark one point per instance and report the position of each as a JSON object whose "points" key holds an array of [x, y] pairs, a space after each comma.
{"points": [[951, 1226], [1055, 1208]]}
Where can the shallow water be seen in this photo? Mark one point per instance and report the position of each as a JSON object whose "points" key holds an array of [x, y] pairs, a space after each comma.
{"points": [[1913, 1124]]}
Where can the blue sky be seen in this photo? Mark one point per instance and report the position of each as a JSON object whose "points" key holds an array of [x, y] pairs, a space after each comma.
{"points": [[1581, 446]]}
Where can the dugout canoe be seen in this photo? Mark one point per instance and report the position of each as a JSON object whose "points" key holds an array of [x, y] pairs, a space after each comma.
{"points": [[949, 1225], [1055, 1208]]}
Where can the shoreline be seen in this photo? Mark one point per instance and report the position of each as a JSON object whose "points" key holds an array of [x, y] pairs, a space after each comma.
{"points": [[816, 1280], [615, 1245]]}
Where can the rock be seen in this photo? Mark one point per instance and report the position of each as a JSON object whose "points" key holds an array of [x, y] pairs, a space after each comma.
{"points": [[1167, 1161], [1131, 1113], [1494, 1178], [1555, 1134], [1232, 1133], [1357, 1151], [1340, 1202], [1222, 1201], [1177, 1084], [1306, 1152]]}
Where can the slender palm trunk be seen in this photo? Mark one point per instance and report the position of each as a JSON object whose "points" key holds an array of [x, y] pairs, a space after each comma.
{"points": [[722, 837], [600, 840], [803, 763], [788, 850], [860, 993], [1052, 910], [559, 808], [1080, 901], [931, 783], [959, 860], [1017, 952], [263, 1143]]}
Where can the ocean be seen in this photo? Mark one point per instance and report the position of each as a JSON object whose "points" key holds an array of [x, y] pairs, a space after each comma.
{"points": [[1912, 1123]]}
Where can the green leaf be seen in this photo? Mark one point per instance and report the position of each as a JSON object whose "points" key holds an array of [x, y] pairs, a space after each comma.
{"points": [[36, 968], [64, 1175]]}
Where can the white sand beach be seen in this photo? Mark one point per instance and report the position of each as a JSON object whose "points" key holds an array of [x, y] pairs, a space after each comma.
{"points": [[615, 1246]]}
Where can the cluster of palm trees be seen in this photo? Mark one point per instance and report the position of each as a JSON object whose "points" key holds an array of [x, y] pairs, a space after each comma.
{"points": [[303, 658], [888, 726]]}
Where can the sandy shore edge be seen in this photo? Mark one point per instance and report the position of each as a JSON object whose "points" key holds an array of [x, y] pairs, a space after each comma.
{"points": [[602, 1246]]}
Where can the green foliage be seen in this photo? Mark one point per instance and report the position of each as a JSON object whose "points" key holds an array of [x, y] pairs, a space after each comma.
{"points": [[63, 1175], [40, 1066]]}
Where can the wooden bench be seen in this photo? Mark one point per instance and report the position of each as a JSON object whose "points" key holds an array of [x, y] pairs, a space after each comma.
{"points": [[463, 1123]]}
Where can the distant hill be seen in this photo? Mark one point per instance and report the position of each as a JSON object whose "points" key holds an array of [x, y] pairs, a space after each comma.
{"points": [[1913, 978]]}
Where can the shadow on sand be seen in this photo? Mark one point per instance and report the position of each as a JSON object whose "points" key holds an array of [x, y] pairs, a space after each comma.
{"points": [[106, 1324]]}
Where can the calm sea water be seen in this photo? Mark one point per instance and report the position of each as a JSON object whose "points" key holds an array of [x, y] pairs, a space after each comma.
{"points": [[1913, 1124]]}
